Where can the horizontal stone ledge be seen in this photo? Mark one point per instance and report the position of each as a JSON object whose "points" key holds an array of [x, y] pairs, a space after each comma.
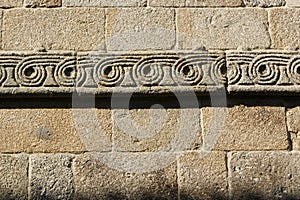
{"points": [[202, 72]]}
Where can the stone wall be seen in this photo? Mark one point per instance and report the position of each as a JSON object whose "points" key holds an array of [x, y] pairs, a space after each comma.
{"points": [[150, 99]]}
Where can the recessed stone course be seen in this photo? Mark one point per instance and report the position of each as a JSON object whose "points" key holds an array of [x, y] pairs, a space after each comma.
{"points": [[195, 3], [105, 3], [11, 3], [42, 3]]}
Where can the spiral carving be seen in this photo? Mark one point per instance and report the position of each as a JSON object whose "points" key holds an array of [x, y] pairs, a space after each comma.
{"points": [[234, 73], [31, 71], [149, 71], [294, 70], [65, 72], [188, 71], [265, 70], [111, 71], [219, 71]]}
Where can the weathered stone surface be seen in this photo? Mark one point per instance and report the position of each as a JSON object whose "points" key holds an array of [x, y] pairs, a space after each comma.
{"points": [[263, 71], [293, 123], [140, 29], [60, 29], [105, 3], [196, 3], [284, 28], [244, 128], [11, 3], [51, 130], [264, 175], [42, 3], [156, 129], [95, 180], [293, 3], [264, 3], [51, 177], [222, 28], [13, 176], [203, 176]]}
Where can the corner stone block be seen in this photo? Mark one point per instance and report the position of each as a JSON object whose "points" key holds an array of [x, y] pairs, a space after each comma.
{"points": [[244, 128], [140, 29], [284, 28], [54, 29], [53, 130], [203, 175], [264, 175], [51, 177], [13, 176], [226, 28], [96, 179]]}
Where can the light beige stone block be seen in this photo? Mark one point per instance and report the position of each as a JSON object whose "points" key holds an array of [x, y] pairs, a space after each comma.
{"points": [[284, 28], [293, 124], [195, 3], [244, 128], [203, 175], [156, 130], [140, 29], [222, 28], [264, 3], [53, 29], [264, 175], [293, 3], [50, 130], [11, 3], [105, 3], [13, 176], [51, 177], [95, 180], [42, 3]]}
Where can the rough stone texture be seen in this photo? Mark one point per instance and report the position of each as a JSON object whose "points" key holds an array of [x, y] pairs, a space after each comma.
{"points": [[293, 3], [264, 3], [293, 123], [140, 29], [94, 180], [264, 175], [105, 3], [244, 128], [222, 28], [11, 3], [157, 130], [195, 3], [42, 3], [284, 28], [203, 175], [61, 29], [13, 176], [51, 177], [49, 130]]}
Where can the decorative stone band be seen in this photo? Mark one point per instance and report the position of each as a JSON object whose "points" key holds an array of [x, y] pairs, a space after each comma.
{"points": [[148, 73]]}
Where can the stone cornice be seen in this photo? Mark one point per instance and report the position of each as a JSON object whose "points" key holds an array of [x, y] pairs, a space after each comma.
{"points": [[38, 73]]}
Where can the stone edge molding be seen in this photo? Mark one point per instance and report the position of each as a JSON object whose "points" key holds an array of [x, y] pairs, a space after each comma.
{"points": [[60, 72]]}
